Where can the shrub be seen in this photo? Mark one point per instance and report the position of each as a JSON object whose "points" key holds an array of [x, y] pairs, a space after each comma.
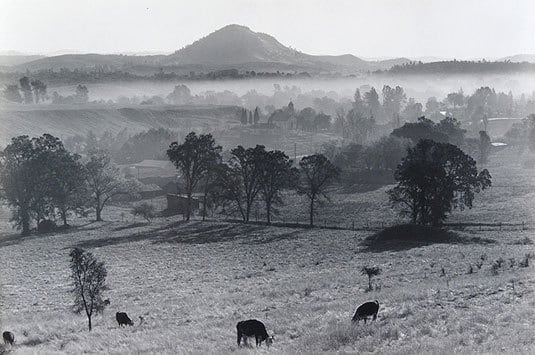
{"points": [[370, 271], [146, 210]]}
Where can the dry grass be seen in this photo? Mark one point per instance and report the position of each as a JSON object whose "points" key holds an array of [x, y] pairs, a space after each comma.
{"points": [[192, 282]]}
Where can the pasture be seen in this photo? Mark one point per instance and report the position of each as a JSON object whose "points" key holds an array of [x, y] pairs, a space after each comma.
{"points": [[192, 282]]}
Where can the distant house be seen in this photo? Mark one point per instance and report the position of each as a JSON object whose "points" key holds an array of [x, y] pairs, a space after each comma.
{"points": [[284, 118], [176, 204]]}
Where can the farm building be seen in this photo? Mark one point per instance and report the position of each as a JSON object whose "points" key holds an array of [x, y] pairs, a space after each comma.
{"points": [[176, 204]]}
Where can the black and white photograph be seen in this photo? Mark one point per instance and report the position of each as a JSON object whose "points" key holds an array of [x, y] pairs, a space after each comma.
{"points": [[267, 177]]}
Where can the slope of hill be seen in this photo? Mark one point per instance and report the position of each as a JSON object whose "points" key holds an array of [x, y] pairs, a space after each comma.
{"points": [[63, 120], [519, 58], [231, 46]]}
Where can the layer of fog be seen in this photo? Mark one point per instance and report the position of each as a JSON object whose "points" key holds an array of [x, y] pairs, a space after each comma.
{"points": [[417, 87]]}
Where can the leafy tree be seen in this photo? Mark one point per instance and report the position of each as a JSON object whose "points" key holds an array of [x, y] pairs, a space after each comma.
{"points": [[38, 177], [194, 158], [240, 178], [26, 89], [17, 179], [89, 278], [181, 95], [104, 180], [412, 111], [456, 99], [149, 144], [243, 117], [316, 174], [81, 95], [12, 93], [393, 100], [275, 173], [256, 116], [39, 90], [435, 178], [371, 100]]}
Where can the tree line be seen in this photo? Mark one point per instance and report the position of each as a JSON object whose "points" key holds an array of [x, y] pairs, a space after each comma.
{"points": [[41, 180]]}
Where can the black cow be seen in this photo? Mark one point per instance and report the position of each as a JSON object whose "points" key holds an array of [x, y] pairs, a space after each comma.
{"points": [[122, 319], [9, 338], [250, 328], [366, 310]]}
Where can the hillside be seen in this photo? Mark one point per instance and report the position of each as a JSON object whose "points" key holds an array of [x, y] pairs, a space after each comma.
{"points": [[232, 46], [64, 120], [192, 282]]}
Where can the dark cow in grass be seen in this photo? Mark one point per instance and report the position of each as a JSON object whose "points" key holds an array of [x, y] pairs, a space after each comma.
{"points": [[365, 310], [253, 328], [123, 319], [9, 338]]}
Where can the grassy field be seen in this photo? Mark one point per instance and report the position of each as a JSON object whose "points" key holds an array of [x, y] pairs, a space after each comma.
{"points": [[192, 282]]}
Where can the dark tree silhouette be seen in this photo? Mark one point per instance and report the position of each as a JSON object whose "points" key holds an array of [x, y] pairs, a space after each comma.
{"points": [[316, 174], [194, 158], [485, 147], [435, 178], [26, 89], [89, 278]]}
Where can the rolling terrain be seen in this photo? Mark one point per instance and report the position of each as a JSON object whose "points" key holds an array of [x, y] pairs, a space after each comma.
{"points": [[64, 120], [192, 282]]}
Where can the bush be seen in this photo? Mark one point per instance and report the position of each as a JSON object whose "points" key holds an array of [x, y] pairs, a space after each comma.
{"points": [[46, 226], [146, 210]]}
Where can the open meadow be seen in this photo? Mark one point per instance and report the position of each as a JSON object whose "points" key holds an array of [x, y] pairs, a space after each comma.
{"points": [[192, 282]]}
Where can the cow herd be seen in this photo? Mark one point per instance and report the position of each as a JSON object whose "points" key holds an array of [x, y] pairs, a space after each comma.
{"points": [[245, 329]]}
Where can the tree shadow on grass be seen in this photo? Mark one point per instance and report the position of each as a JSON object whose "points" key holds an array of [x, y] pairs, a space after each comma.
{"points": [[197, 233], [409, 236]]}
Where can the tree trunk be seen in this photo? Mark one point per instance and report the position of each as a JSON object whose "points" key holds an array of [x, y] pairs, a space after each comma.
{"points": [[98, 209], [188, 205], [268, 212], [312, 212], [25, 217], [89, 322], [64, 218]]}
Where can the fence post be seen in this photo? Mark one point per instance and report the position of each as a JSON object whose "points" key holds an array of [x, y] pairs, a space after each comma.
{"points": [[500, 225], [479, 226], [523, 225], [353, 225]]}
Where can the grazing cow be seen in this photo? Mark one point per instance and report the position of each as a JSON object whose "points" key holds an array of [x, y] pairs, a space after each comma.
{"points": [[9, 338], [250, 328], [122, 319], [366, 310]]}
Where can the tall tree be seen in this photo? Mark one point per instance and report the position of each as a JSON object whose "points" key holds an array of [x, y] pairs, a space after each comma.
{"points": [[103, 180], [194, 158], [256, 115], [275, 174], [89, 280], [240, 178], [39, 90], [433, 179], [316, 175]]}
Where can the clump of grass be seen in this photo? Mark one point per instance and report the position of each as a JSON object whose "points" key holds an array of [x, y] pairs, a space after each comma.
{"points": [[525, 262], [497, 265]]}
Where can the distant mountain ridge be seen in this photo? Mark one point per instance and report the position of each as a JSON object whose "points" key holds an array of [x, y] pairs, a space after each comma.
{"points": [[233, 46]]}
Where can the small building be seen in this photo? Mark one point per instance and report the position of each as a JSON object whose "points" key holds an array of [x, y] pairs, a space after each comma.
{"points": [[176, 204], [148, 168]]}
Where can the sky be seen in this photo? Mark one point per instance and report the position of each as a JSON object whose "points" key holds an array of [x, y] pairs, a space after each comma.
{"points": [[462, 29]]}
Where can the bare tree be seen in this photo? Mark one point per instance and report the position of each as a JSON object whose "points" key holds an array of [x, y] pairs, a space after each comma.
{"points": [[316, 174], [104, 180], [89, 277]]}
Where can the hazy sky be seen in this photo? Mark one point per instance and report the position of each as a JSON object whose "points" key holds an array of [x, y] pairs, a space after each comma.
{"points": [[371, 28]]}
